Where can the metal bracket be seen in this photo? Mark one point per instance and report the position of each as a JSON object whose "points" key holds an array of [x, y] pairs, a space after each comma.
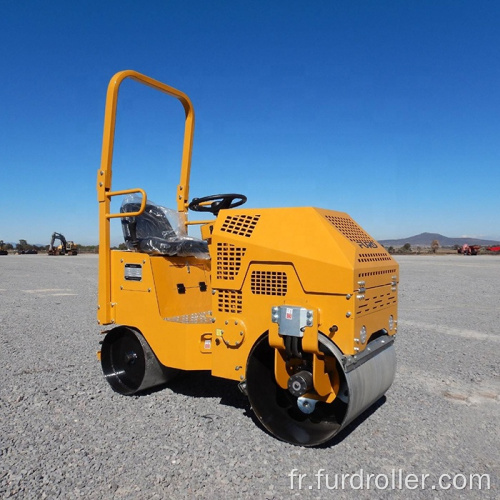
{"points": [[292, 320], [372, 349], [306, 405]]}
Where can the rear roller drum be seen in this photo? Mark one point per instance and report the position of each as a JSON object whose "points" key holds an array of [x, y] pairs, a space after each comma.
{"points": [[304, 421], [129, 364]]}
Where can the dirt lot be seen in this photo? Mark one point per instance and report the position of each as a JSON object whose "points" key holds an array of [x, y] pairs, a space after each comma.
{"points": [[66, 434]]}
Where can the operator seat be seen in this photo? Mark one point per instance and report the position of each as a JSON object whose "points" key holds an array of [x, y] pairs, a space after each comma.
{"points": [[152, 233]]}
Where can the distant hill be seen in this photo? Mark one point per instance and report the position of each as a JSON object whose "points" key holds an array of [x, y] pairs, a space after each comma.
{"points": [[426, 239]]}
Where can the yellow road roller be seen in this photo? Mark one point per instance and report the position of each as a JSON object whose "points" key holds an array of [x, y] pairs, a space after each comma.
{"points": [[297, 305]]}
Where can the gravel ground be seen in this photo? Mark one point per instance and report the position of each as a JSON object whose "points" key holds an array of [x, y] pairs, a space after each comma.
{"points": [[66, 434]]}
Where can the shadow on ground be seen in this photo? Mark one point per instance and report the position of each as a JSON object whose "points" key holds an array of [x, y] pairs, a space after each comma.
{"points": [[200, 384]]}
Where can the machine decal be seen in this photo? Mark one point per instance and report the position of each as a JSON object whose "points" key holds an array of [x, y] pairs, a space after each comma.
{"points": [[133, 272], [367, 244]]}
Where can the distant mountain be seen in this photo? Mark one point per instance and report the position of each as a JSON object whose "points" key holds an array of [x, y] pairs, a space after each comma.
{"points": [[426, 239]]}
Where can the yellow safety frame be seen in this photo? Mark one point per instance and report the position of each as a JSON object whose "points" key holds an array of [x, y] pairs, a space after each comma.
{"points": [[104, 176]]}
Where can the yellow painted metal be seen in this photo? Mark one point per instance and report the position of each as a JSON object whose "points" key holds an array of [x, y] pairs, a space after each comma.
{"points": [[317, 259], [109, 130], [144, 199], [173, 324], [198, 222], [104, 176], [188, 272], [208, 314]]}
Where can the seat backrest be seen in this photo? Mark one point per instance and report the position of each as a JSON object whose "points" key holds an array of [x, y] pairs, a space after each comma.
{"points": [[152, 223], [152, 232]]}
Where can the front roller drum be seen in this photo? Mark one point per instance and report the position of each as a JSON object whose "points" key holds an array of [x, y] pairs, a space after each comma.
{"points": [[303, 421], [129, 364]]}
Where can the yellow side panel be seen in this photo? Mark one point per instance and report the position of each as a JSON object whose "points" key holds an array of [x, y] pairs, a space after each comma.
{"points": [[288, 235], [182, 285], [180, 344], [241, 317], [329, 251]]}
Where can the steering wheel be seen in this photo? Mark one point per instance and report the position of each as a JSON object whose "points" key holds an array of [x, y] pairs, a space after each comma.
{"points": [[219, 202]]}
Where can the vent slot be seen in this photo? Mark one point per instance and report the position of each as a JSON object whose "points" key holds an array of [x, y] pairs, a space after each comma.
{"points": [[374, 257], [376, 302], [369, 274], [349, 229], [228, 260], [269, 283], [241, 225], [230, 301]]}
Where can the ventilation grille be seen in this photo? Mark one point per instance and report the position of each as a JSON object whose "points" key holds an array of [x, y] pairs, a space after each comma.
{"points": [[349, 229], [269, 283], [228, 260], [376, 302], [369, 274], [194, 318], [230, 301], [241, 225], [374, 257]]}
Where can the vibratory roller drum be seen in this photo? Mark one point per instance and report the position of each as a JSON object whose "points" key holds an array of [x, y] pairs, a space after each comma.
{"points": [[296, 419], [129, 364]]}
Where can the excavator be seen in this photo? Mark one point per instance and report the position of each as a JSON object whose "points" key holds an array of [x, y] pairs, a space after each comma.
{"points": [[297, 306], [65, 248]]}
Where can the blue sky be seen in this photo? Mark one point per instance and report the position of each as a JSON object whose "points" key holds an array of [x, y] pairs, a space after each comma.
{"points": [[386, 110]]}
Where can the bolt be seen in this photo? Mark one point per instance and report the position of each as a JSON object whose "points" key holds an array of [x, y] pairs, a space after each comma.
{"points": [[348, 314]]}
